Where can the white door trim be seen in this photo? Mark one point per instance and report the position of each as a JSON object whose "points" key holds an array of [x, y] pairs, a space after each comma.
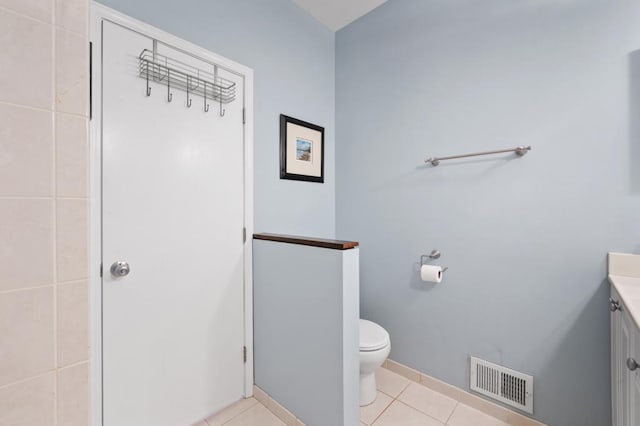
{"points": [[98, 14]]}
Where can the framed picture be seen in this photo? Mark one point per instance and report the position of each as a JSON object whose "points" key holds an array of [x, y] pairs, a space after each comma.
{"points": [[301, 150]]}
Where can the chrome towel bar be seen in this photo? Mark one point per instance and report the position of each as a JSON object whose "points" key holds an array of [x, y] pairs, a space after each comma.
{"points": [[520, 151]]}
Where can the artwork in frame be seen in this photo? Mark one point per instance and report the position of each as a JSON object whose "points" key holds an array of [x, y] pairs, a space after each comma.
{"points": [[301, 150]]}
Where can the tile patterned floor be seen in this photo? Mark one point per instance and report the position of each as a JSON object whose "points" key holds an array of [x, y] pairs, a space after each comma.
{"points": [[400, 402], [246, 412]]}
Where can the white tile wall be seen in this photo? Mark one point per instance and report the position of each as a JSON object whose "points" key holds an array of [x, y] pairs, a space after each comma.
{"points": [[27, 56], [37, 9], [72, 156], [26, 327], [73, 395], [44, 314], [71, 239], [26, 242], [29, 403], [26, 163], [72, 323], [72, 16], [72, 72]]}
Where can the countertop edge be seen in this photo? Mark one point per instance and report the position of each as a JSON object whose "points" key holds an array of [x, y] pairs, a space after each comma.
{"points": [[307, 241], [632, 305]]}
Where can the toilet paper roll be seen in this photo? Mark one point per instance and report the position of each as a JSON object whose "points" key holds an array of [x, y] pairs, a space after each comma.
{"points": [[430, 273]]}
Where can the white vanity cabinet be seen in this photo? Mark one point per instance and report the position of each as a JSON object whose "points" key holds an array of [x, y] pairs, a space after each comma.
{"points": [[625, 367]]}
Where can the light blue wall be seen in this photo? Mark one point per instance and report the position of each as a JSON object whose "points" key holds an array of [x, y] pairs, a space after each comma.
{"points": [[525, 239], [306, 330], [293, 58]]}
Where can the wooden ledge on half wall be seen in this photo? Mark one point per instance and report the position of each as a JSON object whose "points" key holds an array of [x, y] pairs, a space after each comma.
{"points": [[308, 241]]}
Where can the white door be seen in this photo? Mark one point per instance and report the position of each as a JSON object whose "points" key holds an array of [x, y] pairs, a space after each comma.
{"points": [[172, 204]]}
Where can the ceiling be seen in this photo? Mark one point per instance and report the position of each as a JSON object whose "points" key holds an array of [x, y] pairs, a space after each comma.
{"points": [[336, 14]]}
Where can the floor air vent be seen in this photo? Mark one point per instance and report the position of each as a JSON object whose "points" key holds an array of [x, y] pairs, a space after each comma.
{"points": [[502, 384]]}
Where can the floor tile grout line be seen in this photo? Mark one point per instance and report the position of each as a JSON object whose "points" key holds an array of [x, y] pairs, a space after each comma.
{"points": [[403, 390], [246, 409], [382, 412], [384, 409], [422, 412], [393, 398], [457, 401], [452, 411], [386, 394], [415, 408], [429, 415]]}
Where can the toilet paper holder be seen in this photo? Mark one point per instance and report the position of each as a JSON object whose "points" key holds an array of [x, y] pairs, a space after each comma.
{"points": [[435, 254]]}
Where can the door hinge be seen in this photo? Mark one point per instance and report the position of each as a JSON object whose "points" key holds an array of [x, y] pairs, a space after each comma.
{"points": [[90, 80], [101, 270], [244, 116], [244, 235], [244, 353]]}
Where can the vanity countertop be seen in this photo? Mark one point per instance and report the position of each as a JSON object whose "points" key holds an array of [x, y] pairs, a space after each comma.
{"points": [[624, 276], [629, 290]]}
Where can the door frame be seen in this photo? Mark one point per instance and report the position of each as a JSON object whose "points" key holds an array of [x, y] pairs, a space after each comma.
{"points": [[98, 14]]}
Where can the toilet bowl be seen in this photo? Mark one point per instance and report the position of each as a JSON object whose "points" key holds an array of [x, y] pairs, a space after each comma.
{"points": [[374, 349]]}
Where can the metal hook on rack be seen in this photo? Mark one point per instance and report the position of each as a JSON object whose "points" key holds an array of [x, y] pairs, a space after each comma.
{"points": [[215, 80], [169, 94], [206, 105], [148, 87], [188, 99], [222, 110]]}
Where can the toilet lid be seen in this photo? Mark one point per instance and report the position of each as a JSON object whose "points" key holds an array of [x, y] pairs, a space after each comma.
{"points": [[372, 336]]}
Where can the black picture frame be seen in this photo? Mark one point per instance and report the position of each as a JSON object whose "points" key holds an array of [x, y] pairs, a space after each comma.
{"points": [[300, 154]]}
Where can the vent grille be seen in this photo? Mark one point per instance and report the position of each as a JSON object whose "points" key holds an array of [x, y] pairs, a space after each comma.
{"points": [[502, 384]]}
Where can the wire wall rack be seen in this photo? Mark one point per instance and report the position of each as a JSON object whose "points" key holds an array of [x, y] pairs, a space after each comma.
{"points": [[177, 75]]}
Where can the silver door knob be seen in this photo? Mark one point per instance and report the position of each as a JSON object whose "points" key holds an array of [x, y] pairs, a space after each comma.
{"points": [[614, 305], [120, 269], [632, 364]]}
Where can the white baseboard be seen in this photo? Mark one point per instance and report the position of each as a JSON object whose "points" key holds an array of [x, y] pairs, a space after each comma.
{"points": [[278, 410]]}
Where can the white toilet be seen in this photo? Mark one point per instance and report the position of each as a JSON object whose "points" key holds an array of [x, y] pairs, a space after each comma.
{"points": [[374, 349]]}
